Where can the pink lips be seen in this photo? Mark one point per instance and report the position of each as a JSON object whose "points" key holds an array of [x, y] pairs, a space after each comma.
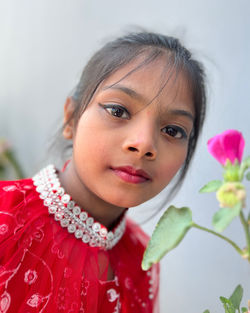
{"points": [[131, 175]]}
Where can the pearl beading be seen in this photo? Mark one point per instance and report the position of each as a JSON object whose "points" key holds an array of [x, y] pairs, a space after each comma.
{"points": [[71, 216]]}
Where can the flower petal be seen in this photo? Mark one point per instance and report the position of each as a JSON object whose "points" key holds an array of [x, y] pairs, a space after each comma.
{"points": [[227, 145], [215, 148], [234, 144]]}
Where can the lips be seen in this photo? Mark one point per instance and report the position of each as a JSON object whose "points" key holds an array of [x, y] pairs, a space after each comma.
{"points": [[131, 175]]}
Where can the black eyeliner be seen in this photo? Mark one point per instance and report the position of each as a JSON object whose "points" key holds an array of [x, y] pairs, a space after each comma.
{"points": [[178, 129], [115, 106]]}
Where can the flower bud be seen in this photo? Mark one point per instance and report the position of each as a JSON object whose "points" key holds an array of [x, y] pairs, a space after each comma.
{"points": [[232, 171], [230, 194]]}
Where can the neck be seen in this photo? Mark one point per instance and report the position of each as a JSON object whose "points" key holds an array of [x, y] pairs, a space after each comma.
{"points": [[102, 211]]}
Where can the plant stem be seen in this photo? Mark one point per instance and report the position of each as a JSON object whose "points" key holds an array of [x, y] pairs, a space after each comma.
{"points": [[237, 248], [247, 233]]}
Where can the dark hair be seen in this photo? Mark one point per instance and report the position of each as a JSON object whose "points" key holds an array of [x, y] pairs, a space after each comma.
{"points": [[123, 50]]}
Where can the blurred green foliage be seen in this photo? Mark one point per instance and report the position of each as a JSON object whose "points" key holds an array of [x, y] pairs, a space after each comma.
{"points": [[9, 166]]}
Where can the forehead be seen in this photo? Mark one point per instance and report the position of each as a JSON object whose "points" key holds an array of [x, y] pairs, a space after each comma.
{"points": [[157, 81]]}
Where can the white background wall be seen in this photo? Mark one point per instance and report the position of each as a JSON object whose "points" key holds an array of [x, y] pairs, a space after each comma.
{"points": [[43, 46]]}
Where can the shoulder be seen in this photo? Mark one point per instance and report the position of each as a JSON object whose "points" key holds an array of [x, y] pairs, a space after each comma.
{"points": [[149, 278], [17, 186], [133, 242], [7, 185], [143, 284], [137, 240], [16, 194], [136, 233], [17, 200]]}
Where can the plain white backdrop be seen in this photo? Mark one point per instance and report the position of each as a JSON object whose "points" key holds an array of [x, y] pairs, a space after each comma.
{"points": [[44, 45]]}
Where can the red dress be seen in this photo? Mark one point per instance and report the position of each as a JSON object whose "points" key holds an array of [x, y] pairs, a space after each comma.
{"points": [[45, 268]]}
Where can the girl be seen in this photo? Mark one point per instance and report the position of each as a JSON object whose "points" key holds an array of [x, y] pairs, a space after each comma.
{"points": [[65, 242]]}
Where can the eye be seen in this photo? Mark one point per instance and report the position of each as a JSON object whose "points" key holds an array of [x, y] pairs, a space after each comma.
{"points": [[116, 110], [175, 131]]}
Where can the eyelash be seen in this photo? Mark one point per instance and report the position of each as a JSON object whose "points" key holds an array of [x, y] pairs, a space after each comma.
{"points": [[176, 130], [113, 107], [173, 129]]}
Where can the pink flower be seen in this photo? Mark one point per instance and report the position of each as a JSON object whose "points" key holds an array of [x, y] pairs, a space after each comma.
{"points": [[228, 145]]}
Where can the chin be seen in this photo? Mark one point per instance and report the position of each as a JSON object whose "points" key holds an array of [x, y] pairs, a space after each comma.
{"points": [[128, 203]]}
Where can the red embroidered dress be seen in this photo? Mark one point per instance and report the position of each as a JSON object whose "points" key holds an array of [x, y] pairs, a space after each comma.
{"points": [[55, 258]]}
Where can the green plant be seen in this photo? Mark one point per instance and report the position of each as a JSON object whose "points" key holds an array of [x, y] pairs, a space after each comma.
{"points": [[8, 161], [172, 227], [232, 304]]}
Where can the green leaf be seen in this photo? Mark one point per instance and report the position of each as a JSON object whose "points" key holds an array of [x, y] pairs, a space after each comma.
{"points": [[207, 311], [170, 230], [213, 185], [236, 297], [224, 217], [244, 310], [225, 300], [228, 306], [248, 176]]}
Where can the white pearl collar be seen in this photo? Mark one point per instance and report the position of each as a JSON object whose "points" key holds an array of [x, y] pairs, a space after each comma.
{"points": [[71, 216]]}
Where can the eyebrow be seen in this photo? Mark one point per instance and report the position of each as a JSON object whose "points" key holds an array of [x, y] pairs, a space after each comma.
{"points": [[183, 113], [130, 92]]}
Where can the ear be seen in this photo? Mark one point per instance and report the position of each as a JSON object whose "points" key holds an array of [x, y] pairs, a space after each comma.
{"points": [[68, 120]]}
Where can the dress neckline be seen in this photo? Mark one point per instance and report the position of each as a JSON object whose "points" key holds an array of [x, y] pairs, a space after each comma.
{"points": [[71, 216]]}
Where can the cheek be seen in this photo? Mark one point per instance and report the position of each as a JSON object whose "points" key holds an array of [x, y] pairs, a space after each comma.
{"points": [[171, 165], [91, 145]]}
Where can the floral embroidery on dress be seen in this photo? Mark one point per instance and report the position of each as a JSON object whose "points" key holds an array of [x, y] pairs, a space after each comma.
{"points": [[128, 282], [30, 277], [112, 295], [18, 187], [6, 275], [118, 306], [34, 232], [116, 281], [35, 300], [81, 308], [4, 229], [84, 287], [5, 300], [55, 249], [22, 217], [73, 307], [68, 272], [63, 299], [10, 188]]}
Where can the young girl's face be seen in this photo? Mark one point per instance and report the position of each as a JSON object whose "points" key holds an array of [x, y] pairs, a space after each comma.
{"points": [[126, 147]]}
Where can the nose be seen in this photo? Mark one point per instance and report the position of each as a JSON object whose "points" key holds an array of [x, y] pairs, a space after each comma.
{"points": [[141, 141]]}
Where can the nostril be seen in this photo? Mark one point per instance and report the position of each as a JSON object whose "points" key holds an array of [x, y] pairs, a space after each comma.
{"points": [[149, 154], [132, 149]]}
